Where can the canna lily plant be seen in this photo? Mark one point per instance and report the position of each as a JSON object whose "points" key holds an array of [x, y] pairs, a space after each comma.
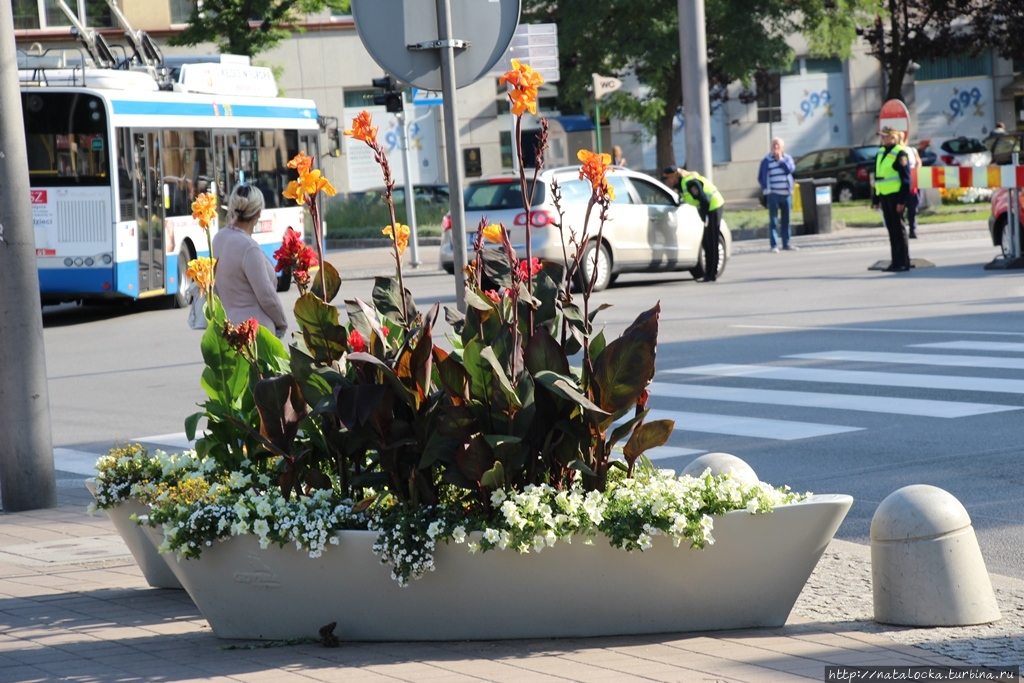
{"points": [[508, 428]]}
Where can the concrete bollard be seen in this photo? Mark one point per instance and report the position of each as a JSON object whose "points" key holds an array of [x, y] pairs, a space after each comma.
{"points": [[721, 463], [926, 566]]}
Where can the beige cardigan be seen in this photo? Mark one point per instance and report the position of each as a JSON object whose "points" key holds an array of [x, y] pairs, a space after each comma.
{"points": [[245, 281]]}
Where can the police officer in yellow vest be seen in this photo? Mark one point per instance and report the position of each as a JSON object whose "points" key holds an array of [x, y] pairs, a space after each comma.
{"points": [[892, 192], [696, 190]]}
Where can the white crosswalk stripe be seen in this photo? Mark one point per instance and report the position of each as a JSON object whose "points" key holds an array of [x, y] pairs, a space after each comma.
{"points": [[759, 427], [1011, 347], [810, 399], [916, 359], [882, 379]]}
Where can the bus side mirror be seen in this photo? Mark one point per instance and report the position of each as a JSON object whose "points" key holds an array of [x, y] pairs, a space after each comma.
{"points": [[334, 140]]}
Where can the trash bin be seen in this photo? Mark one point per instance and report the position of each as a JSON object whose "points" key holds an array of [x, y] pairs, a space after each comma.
{"points": [[816, 198]]}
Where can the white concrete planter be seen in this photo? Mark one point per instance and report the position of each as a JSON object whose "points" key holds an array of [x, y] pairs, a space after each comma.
{"points": [[750, 577], [153, 565]]}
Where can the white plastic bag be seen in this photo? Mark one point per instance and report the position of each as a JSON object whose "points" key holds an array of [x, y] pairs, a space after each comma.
{"points": [[196, 316]]}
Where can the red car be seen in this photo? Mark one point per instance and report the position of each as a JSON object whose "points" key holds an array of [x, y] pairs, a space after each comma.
{"points": [[998, 222]]}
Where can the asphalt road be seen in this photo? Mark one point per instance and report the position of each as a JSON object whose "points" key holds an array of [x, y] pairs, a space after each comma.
{"points": [[819, 373]]}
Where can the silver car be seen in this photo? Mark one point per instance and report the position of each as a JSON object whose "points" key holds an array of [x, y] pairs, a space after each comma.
{"points": [[648, 229]]}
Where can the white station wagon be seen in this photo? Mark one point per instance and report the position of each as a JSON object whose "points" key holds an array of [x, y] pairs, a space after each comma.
{"points": [[648, 229]]}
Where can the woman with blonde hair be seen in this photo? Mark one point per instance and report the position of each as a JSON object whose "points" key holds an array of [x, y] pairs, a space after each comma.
{"points": [[246, 283]]}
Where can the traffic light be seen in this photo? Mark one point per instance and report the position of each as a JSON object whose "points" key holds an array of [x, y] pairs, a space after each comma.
{"points": [[391, 99]]}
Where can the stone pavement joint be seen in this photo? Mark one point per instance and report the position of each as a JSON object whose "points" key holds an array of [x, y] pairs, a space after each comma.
{"points": [[88, 619]]}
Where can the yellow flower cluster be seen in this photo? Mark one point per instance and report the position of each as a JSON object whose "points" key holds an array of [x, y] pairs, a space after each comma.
{"points": [[309, 183], [524, 81], [204, 209], [401, 236], [200, 270]]}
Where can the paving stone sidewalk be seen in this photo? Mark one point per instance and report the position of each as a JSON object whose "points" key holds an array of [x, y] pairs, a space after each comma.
{"points": [[74, 607]]}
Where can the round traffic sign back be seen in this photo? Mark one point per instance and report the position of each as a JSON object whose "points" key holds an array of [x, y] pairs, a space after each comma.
{"points": [[894, 115], [401, 36]]}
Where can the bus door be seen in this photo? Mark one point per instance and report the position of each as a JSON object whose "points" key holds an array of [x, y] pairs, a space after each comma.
{"points": [[225, 163], [150, 212]]}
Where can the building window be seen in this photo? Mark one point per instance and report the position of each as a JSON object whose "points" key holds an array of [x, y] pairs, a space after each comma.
{"points": [[92, 13], [181, 10], [505, 138], [769, 98], [955, 66]]}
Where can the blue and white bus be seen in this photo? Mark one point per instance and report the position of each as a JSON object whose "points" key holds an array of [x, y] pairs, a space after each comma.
{"points": [[115, 163]]}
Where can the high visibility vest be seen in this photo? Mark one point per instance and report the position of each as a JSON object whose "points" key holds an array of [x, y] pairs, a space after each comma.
{"points": [[887, 177], [714, 196]]}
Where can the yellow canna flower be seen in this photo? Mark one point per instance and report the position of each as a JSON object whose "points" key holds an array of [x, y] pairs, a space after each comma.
{"points": [[401, 238], [200, 271], [301, 162], [524, 81], [363, 128], [492, 233], [204, 209], [295, 191], [594, 168]]}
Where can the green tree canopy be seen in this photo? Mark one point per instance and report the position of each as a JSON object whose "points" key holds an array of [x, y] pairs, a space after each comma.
{"points": [[248, 27], [744, 37], [908, 31]]}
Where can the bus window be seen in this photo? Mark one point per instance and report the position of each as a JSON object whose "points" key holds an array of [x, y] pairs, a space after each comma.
{"points": [[66, 134]]}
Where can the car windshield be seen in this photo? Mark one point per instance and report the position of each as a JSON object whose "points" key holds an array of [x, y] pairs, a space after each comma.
{"points": [[498, 195], [963, 146], [864, 153]]}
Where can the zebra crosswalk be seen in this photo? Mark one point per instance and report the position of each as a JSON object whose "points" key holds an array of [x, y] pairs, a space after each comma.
{"points": [[785, 385], [688, 395]]}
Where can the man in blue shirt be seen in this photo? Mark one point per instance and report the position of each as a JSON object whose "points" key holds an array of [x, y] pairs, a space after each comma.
{"points": [[775, 176]]}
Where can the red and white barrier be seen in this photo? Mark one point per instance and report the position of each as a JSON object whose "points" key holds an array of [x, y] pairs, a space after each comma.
{"points": [[949, 177]]}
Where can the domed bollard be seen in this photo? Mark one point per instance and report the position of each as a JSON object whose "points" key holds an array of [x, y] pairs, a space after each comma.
{"points": [[721, 463], [926, 566]]}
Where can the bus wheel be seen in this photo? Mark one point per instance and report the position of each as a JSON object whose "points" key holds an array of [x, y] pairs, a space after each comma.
{"points": [[284, 280], [180, 297]]}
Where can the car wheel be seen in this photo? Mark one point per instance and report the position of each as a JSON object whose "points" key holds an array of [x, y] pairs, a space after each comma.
{"points": [[284, 280], [844, 193], [1006, 239], [604, 268], [449, 268], [698, 271], [180, 297]]}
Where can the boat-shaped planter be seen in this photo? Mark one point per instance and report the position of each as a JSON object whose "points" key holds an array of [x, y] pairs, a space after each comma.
{"points": [[153, 565], [749, 578]]}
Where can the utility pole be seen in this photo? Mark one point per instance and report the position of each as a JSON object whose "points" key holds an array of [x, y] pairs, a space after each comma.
{"points": [[27, 479], [693, 56]]}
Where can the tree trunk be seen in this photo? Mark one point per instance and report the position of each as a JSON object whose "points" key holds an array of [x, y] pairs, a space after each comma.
{"points": [[673, 101]]}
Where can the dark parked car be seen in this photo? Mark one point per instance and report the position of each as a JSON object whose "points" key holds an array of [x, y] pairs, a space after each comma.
{"points": [[850, 166], [1003, 147]]}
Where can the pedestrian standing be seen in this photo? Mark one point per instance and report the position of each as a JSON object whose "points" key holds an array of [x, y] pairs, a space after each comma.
{"points": [[246, 282], [914, 199], [698, 191], [776, 179], [892, 190], [617, 158]]}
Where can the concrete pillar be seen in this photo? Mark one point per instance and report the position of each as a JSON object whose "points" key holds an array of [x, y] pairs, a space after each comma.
{"points": [[721, 463], [926, 566]]}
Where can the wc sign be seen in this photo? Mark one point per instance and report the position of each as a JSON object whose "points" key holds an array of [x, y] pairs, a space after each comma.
{"points": [[604, 85]]}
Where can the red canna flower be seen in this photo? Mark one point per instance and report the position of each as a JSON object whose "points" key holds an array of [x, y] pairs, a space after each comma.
{"points": [[526, 272], [294, 254], [242, 337], [493, 296], [356, 342]]}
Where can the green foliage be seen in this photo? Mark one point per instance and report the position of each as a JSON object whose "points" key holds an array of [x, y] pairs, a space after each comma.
{"points": [[364, 217], [743, 37], [248, 27]]}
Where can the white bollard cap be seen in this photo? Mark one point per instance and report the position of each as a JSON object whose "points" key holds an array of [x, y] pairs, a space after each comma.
{"points": [[918, 512], [721, 463]]}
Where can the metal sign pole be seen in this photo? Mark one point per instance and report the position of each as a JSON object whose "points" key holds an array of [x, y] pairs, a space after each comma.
{"points": [[451, 134], [1014, 208], [410, 195]]}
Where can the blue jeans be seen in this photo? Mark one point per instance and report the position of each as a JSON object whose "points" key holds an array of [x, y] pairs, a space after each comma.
{"points": [[777, 203]]}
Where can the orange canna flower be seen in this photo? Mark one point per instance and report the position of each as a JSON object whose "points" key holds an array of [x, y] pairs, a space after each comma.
{"points": [[362, 128], [204, 209], [200, 270], [594, 168], [524, 81], [301, 163], [401, 238], [492, 233]]}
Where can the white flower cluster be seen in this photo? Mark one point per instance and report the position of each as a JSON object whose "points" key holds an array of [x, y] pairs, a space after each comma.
{"points": [[630, 513], [131, 472]]}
